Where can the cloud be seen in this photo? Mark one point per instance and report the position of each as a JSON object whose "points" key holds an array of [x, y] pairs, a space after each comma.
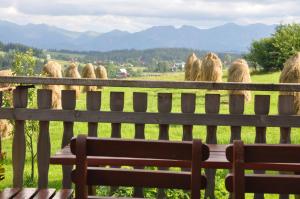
{"points": [[134, 15]]}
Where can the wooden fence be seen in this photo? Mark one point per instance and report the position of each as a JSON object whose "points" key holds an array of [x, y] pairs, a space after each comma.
{"points": [[139, 117]]}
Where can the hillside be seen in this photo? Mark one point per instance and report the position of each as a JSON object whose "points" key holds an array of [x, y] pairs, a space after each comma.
{"points": [[226, 38]]}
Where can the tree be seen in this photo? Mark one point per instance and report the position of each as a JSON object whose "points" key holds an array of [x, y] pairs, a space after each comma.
{"points": [[262, 53], [286, 42], [24, 64], [271, 53]]}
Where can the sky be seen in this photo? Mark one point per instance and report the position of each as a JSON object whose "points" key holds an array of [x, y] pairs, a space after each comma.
{"points": [[136, 15]]}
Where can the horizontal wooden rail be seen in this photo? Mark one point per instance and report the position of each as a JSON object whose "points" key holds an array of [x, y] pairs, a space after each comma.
{"points": [[150, 84], [150, 118]]}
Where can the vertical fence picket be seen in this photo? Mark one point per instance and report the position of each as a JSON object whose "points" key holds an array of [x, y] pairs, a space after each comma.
{"points": [[236, 106], [164, 104], [188, 105], [212, 106], [68, 103], [93, 103], [285, 107], [20, 99], [116, 104], [140, 101], [261, 107], [44, 100]]}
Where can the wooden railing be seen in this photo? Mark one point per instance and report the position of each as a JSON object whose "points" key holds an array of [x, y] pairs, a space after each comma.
{"points": [[139, 117]]}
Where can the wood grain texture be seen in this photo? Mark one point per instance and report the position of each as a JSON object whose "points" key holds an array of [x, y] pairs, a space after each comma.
{"points": [[212, 106], [116, 105], [261, 107], [188, 105], [164, 105], [44, 100], [68, 103], [285, 107], [20, 96], [93, 103], [236, 106], [140, 101], [151, 84]]}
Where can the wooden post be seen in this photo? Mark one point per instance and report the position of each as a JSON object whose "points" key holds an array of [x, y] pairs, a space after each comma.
{"points": [[116, 104], [68, 103], [236, 106], [93, 103], [140, 101], [20, 99], [261, 107], [164, 106], [285, 107], [212, 106], [188, 105], [44, 100]]}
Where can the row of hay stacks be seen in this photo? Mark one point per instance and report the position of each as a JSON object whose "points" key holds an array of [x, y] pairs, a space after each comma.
{"points": [[210, 69], [54, 69]]}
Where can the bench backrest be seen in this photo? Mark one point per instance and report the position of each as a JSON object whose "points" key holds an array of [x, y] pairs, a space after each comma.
{"points": [[263, 156], [149, 152]]}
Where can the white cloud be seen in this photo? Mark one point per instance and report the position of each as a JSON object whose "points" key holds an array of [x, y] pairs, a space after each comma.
{"points": [[134, 15]]}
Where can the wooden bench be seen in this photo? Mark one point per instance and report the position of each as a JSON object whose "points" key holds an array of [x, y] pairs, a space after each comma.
{"points": [[154, 153], [34, 193], [277, 157], [217, 158]]}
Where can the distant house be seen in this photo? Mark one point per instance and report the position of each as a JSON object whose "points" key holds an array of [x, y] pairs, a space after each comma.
{"points": [[178, 66], [48, 56], [122, 73]]}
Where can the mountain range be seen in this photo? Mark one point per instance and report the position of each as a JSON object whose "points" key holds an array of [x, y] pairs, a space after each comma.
{"points": [[225, 38]]}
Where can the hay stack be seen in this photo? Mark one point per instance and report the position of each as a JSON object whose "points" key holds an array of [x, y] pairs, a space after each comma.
{"points": [[188, 66], [239, 72], [291, 74], [101, 73], [72, 71], [5, 73], [53, 69], [211, 68], [6, 128], [195, 71], [89, 72]]}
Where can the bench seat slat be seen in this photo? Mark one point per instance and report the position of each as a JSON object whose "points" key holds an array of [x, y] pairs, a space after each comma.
{"points": [[63, 194], [9, 192], [136, 177], [264, 183], [26, 193], [44, 193]]}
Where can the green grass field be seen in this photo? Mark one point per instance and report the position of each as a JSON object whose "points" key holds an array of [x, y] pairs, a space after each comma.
{"points": [[248, 134]]}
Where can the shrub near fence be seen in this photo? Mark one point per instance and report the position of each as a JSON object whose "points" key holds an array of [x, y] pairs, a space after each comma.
{"points": [[94, 116]]}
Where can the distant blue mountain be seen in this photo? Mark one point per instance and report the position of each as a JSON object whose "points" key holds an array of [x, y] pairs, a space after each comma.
{"points": [[226, 38]]}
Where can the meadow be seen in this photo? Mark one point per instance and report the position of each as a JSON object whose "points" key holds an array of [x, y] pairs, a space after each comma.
{"points": [[151, 131]]}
